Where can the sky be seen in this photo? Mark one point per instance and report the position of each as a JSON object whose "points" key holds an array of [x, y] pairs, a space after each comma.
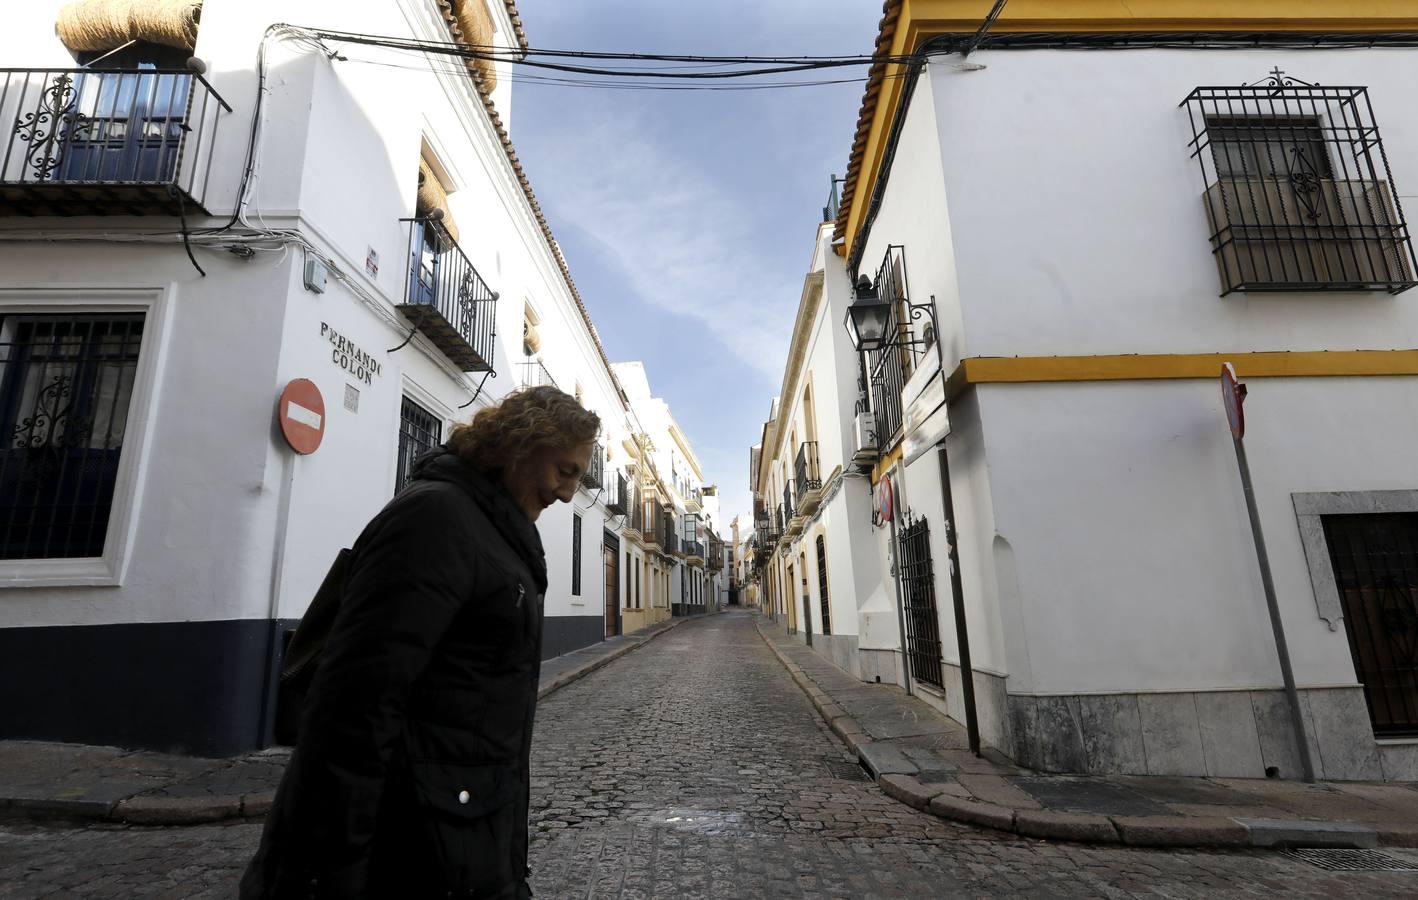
{"points": [[688, 217]]}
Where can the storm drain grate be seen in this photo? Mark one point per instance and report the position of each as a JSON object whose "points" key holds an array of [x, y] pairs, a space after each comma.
{"points": [[1352, 860], [843, 770]]}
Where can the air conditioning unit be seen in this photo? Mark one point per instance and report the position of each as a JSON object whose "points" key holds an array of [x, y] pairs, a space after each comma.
{"points": [[864, 438]]}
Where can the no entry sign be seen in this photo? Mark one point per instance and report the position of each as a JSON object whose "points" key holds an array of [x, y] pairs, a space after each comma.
{"points": [[887, 500], [302, 414]]}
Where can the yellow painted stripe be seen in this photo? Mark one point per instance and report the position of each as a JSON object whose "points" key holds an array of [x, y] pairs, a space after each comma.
{"points": [[886, 462], [1151, 367]]}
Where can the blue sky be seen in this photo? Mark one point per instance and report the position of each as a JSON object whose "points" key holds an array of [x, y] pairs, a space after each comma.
{"points": [[687, 218]]}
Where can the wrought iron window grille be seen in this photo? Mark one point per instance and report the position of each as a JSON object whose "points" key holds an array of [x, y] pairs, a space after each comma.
{"points": [[923, 649], [1298, 190], [419, 432], [66, 383]]}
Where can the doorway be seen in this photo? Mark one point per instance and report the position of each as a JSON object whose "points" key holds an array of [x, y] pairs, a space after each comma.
{"points": [[1375, 559], [610, 551]]}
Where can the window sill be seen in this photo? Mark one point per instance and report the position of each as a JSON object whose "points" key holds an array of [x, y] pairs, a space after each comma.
{"points": [[90, 572]]}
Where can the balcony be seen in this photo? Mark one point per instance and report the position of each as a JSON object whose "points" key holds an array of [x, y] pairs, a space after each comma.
{"points": [[669, 541], [652, 523], [594, 478], [809, 478], [446, 298], [693, 500], [88, 142], [617, 491], [793, 518], [694, 553], [533, 374]]}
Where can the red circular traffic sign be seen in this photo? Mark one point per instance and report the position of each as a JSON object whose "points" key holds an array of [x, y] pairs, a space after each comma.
{"points": [[887, 499], [302, 414], [1233, 394]]}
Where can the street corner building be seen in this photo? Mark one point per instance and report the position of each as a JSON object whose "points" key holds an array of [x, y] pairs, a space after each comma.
{"points": [[1000, 471], [200, 209]]}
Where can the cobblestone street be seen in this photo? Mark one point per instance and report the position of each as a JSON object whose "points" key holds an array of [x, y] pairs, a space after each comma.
{"points": [[693, 767]]}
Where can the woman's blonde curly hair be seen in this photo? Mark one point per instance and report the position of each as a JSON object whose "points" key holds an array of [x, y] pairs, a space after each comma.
{"points": [[524, 422]]}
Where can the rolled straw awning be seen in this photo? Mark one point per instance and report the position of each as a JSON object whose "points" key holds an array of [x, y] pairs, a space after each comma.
{"points": [[431, 196], [476, 24], [102, 25]]}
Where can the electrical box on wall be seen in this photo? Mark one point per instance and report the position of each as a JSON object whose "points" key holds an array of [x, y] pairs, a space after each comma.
{"points": [[315, 274]]}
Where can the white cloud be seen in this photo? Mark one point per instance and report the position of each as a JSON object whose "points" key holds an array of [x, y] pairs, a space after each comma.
{"points": [[683, 242]]}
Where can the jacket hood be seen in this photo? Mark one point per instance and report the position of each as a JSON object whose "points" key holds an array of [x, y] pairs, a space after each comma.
{"points": [[440, 464]]}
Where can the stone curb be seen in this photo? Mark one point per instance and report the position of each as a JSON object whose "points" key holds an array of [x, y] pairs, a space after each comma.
{"points": [[1134, 831], [149, 810]]}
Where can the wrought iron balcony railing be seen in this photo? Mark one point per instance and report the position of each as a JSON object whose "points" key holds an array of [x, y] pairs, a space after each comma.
{"points": [[447, 299], [829, 209], [533, 373], [653, 521], [891, 365], [106, 141], [787, 503], [808, 477], [617, 489], [668, 539], [595, 475]]}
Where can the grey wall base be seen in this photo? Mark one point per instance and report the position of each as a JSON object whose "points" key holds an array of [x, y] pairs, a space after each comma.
{"points": [[839, 649], [1237, 734], [882, 666]]}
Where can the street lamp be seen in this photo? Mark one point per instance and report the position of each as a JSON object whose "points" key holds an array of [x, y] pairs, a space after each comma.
{"points": [[867, 317], [868, 322]]}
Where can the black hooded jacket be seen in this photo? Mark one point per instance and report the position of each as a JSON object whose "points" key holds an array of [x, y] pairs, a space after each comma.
{"points": [[410, 777]]}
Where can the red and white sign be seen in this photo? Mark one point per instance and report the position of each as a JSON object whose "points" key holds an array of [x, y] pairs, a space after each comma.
{"points": [[886, 498], [1233, 394], [302, 414]]}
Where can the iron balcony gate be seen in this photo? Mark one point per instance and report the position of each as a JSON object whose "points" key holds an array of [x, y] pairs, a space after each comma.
{"points": [[1375, 561], [922, 639]]}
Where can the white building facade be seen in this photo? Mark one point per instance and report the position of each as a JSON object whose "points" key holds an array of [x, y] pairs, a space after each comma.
{"points": [[1100, 218], [360, 221]]}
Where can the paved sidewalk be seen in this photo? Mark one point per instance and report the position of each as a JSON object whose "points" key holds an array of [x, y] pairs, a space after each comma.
{"points": [[920, 757], [41, 780]]}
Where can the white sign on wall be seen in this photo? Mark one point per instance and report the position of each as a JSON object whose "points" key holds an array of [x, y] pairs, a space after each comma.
{"points": [[924, 414]]}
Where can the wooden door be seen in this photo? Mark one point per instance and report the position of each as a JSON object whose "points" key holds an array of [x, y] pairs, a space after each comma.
{"points": [[610, 551]]}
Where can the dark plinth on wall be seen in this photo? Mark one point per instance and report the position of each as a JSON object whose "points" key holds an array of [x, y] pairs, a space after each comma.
{"points": [[562, 634], [198, 688]]}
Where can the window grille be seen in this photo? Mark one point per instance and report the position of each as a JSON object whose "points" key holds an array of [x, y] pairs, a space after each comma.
{"points": [[891, 365], [419, 432], [64, 399], [1298, 191], [822, 584], [575, 555], [922, 618]]}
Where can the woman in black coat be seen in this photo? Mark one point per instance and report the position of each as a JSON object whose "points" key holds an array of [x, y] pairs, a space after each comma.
{"points": [[410, 775]]}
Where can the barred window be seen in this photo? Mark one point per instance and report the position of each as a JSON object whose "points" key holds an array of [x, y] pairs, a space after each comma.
{"points": [[419, 432], [575, 555], [822, 584], [65, 392], [1298, 190]]}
